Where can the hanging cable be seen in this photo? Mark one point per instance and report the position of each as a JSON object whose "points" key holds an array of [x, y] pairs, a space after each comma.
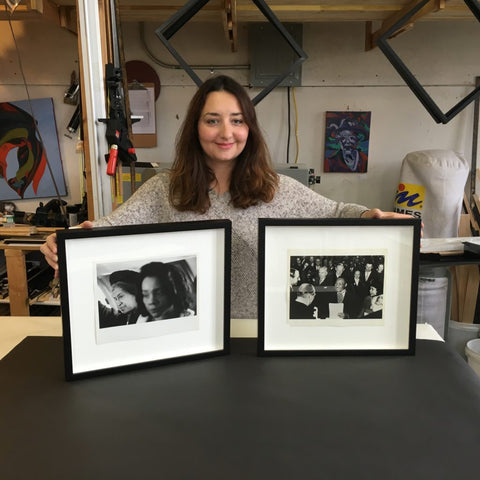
{"points": [[13, 6], [288, 124], [155, 59], [296, 125]]}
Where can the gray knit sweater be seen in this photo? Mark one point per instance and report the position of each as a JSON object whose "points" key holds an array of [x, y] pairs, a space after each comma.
{"points": [[150, 204]]}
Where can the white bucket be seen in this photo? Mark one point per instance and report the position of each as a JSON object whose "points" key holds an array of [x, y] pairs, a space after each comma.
{"points": [[432, 302], [472, 351], [460, 333]]}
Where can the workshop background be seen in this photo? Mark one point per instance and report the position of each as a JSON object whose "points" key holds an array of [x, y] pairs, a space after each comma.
{"points": [[339, 75]]}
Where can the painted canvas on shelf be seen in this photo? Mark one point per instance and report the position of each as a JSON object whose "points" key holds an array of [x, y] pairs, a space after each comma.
{"points": [[347, 136], [24, 172]]}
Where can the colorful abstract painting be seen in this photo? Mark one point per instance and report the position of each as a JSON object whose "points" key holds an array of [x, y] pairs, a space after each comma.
{"points": [[347, 136], [24, 153]]}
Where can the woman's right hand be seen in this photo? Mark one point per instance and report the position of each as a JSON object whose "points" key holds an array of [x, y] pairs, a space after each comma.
{"points": [[49, 248]]}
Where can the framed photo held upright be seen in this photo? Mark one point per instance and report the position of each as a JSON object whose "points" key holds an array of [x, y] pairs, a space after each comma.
{"points": [[337, 286], [142, 295]]}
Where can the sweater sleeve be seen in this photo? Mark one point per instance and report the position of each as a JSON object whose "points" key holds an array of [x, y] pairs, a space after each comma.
{"points": [[307, 203]]}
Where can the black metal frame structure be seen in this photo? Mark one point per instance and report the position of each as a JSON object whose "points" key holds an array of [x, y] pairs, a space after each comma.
{"points": [[420, 92], [182, 16]]}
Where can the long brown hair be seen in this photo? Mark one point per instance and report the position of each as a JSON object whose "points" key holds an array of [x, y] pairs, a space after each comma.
{"points": [[253, 178]]}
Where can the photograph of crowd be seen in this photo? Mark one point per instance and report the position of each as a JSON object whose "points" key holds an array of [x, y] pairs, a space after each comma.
{"points": [[152, 291], [336, 287]]}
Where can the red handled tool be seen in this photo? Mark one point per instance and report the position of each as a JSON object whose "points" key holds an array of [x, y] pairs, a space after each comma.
{"points": [[121, 148], [112, 160]]}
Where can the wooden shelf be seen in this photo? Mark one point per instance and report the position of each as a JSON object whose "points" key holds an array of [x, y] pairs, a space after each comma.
{"points": [[45, 298], [27, 231], [17, 270]]}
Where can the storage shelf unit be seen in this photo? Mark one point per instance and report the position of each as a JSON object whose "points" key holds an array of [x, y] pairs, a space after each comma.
{"points": [[16, 265]]}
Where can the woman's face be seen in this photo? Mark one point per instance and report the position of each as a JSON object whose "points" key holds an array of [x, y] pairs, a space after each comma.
{"points": [[373, 291], [295, 278], [125, 301], [222, 131], [155, 298]]}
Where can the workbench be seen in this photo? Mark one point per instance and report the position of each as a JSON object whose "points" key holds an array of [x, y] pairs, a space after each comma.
{"points": [[27, 239]]}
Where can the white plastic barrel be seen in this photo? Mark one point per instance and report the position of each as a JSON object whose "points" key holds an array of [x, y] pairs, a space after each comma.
{"points": [[431, 188], [472, 351], [459, 334]]}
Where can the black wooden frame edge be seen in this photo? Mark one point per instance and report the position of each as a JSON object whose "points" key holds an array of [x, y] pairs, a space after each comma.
{"points": [[416, 233], [63, 235], [64, 304], [262, 223]]}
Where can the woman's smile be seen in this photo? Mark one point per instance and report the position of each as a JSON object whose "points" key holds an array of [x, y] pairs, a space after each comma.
{"points": [[225, 146]]}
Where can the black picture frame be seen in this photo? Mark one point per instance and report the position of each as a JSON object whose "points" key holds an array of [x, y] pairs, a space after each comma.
{"points": [[192, 259], [387, 328], [427, 101], [184, 14]]}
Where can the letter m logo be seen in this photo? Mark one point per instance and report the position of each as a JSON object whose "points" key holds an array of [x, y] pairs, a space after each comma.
{"points": [[410, 196]]}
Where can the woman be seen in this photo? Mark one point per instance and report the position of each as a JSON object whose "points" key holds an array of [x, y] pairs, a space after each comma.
{"points": [[373, 303], [125, 293], [222, 169], [166, 292]]}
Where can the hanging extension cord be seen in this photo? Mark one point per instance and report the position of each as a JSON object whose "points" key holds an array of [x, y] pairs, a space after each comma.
{"points": [[297, 143]]}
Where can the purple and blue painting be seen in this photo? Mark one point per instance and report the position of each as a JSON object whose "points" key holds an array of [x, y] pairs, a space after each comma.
{"points": [[347, 136]]}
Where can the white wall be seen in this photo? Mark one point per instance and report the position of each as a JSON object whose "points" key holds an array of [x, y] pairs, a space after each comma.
{"points": [[338, 75], [48, 55]]}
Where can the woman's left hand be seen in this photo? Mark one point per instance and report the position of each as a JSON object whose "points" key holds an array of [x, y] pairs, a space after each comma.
{"points": [[377, 213]]}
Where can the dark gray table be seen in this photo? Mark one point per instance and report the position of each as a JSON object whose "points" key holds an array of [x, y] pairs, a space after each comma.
{"points": [[242, 417]]}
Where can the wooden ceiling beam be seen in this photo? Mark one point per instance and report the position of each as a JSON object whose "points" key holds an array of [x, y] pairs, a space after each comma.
{"points": [[430, 7], [323, 8], [30, 9], [229, 18], [232, 12], [286, 10], [68, 18], [63, 16]]}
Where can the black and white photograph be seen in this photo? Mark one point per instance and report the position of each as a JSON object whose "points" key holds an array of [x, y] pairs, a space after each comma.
{"points": [[131, 294], [156, 290], [140, 295], [332, 287], [337, 286]]}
